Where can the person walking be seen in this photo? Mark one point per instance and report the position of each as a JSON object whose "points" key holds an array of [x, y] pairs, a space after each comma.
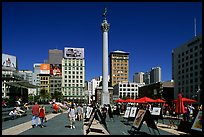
{"points": [[35, 114], [71, 115], [42, 116], [79, 112], [104, 111], [110, 112]]}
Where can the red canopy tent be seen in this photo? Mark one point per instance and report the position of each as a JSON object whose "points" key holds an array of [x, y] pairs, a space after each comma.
{"points": [[160, 101], [144, 100], [130, 100], [119, 100]]}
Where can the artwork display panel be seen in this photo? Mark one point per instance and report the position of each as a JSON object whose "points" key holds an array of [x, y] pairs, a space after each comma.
{"points": [[197, 124]]}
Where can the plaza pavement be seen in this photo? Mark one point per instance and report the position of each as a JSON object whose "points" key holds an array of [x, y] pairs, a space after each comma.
{"points": [[57, 124]]}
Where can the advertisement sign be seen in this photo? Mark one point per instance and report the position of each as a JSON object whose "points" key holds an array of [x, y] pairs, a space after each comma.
{"points": [[44, 68], [197, 124], [74, 53], [8, 62], [56, 69]]}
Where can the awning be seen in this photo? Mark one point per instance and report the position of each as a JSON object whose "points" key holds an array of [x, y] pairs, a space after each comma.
{"points": [[21, 84]]}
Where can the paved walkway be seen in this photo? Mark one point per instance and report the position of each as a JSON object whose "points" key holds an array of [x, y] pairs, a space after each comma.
{"points": [[57, 124], [24, 126]]}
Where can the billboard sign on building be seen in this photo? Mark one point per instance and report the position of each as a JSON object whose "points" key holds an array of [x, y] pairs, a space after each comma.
{"points": [[8, 62], [44, 68], [74, 53], [56, 69]]}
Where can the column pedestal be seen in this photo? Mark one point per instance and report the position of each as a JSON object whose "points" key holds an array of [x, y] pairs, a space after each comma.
{"points": [[105, 98]]}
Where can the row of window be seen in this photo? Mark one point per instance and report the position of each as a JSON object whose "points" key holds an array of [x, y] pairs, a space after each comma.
{"points": [[44, 78], [71, 76], [191, 60], [73, 72], [192, 89], [128, 89], [191, 63], [73, 85], [73, 68], [192, 68], [128, 94], [188, 75], [195, 80], [189, 51], [128, 85], [73, 81], [119, 60]]}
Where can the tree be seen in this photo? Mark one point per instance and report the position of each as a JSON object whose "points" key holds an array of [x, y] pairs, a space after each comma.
{"points": [[58, 95], [44, 95]]}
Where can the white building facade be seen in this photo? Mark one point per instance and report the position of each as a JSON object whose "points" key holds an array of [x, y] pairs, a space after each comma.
{"points": [[127, 89], [73, 74]]}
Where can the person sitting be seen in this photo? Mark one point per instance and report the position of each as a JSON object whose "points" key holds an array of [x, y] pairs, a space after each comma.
{"points": [[55, 108], [26, 106], [13, 114], [19, 110]]}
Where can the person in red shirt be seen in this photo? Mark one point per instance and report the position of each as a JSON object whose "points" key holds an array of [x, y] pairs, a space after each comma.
{"points": [[35, 114], [55, 108], [42, 116]]}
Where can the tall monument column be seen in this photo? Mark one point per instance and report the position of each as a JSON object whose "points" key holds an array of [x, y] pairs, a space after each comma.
{"points": [[105, 97]]}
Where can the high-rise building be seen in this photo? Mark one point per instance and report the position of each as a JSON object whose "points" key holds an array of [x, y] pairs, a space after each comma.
{"points": [[73, 74], [138, 77], [9, 73], [55, 56], [187, 69], [119, 67], [155, 75], [146, 77], [55, 60]]}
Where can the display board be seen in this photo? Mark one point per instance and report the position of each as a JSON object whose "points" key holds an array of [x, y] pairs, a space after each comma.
{"points": [[88, 112], [133, 112], [127, 112], [197, 124], [143, 115], [156, 111], [139, 118]]}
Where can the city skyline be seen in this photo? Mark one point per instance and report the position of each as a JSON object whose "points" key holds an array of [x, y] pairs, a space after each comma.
{"points": [[148, 31]]}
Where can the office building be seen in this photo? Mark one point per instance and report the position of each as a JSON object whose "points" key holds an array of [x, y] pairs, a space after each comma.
{"points": [[119, 67], [138, 77], [127, 90], [55, 60], [155, 75], [187, 69], [73, 75]]}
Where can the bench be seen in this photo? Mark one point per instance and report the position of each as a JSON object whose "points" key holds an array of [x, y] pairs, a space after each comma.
{"points": [[5, 114]]}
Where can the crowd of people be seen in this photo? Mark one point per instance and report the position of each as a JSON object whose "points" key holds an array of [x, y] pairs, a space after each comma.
{"points": [[79, 112]]}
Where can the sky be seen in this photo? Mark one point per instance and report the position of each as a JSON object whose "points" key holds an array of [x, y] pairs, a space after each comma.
{"points": [[148, 31]]}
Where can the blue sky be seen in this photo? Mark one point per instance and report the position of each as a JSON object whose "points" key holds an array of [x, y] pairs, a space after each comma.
{"points": [[149, 31]]}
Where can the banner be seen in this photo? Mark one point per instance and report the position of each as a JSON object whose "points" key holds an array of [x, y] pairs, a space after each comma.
{"points": [[56, 69], [44, 68], [8, 62], [74, 53]]}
